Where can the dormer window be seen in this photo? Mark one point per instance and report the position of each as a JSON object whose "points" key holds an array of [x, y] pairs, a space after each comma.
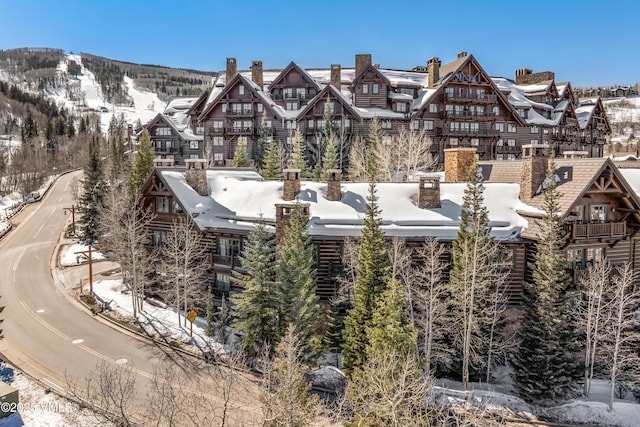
{"points": [[401, 107]]}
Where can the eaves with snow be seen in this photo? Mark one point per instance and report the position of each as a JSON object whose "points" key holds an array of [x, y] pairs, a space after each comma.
{"points": [[238, 199]]}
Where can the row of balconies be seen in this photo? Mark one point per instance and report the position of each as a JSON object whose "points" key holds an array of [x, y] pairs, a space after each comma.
{"points": [[482, 132], [292, 97], [472, 115], [469, 97]]}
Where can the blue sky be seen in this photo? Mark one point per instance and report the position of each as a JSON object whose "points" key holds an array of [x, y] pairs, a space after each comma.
{"points": [[587, 42]]}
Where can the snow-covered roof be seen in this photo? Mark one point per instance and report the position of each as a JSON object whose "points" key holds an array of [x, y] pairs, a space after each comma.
{"points": [[179, 105], [239, 198], [585, 110], [517, 95]]}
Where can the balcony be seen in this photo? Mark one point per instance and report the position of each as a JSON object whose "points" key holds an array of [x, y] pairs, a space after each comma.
{"points": [[215, 130], [292, 97], [235, 130], [470, 115], [469, 97], [242, 113], [467, 132], [596, 230], [571, 122]]}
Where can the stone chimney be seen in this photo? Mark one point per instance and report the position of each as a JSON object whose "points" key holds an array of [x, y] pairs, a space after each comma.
{"points": [[362, 60], [256, 73], [433, 70], [232, 68], [334, 179], [458, 163], [535, 159], [462, 54], [525, 76], [336, 76], [291, 184], [196, 175], [429, 193], [283, 216], [163, 163]]}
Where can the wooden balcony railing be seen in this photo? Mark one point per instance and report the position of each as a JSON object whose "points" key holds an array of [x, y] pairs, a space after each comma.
{"points": [[596, 230], [226, 261], [487, 115], [467, 132], [470, 97]]}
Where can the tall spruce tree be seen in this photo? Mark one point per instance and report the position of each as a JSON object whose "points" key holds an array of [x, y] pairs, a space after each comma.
{"points": [[143, 164], [93, 194], [240, 156], [256, 306], [547, 364], [298, 155], [475, 275], [272, 168], [297, 286], [372, 277]]}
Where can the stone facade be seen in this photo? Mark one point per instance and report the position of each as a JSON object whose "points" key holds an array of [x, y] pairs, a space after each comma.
{"points": [[534, 169], [196, 175], [429, 193], [291, 184], [283, 215], [458, 163], [257, 74]]}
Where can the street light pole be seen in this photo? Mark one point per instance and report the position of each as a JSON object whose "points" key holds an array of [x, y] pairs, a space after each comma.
{"points": [[73, 210], [88, 254]]}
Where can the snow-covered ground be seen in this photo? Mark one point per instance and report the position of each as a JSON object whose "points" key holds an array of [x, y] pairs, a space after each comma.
{"points": [[89, 95]]}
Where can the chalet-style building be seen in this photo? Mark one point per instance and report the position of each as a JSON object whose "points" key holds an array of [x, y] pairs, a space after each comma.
{"points": [[456, 104], [173, 139], [600, 208]]}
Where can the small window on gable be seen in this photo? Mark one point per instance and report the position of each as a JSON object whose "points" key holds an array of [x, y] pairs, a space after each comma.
{"points": [[241, 90]]}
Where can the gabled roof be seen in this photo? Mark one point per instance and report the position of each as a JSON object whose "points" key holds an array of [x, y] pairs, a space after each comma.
{"points": [[375, 70], [333, 93], [293, 66], [574, 177], [447, 72], [199, 104], [586, 110], [239, 79], [178, 122]]}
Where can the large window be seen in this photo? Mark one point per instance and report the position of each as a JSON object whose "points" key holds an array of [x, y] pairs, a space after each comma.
{"points": [[218, 125], [401, 107], [511, 127], [157, 237], [163, 131], [433, 108], [162, 205], [229, 246], [218, 140], [428, 125], [365, 88], [599, 213], [386, 124], [223, 281], [375, 88], [581, 258], [194, 145]]}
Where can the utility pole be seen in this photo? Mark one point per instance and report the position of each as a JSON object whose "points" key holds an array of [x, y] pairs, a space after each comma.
{"points": [[88, 254], [73, 210]]}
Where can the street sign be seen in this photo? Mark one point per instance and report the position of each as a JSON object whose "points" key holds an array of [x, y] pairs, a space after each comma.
{"points": [[191, 316]]}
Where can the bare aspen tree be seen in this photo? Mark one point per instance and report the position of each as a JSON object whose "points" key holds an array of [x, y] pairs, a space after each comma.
{"points": [[591, 315], [127, 224], [407, 153], [622, 338], [286, 397], [402, 269], [109, 391], [430, 290], [358, 160], [183, 256], [390, 389]]}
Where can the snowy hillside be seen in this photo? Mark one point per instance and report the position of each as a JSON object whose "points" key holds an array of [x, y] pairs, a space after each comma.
{"points": [[624, 117], [83, 93]]}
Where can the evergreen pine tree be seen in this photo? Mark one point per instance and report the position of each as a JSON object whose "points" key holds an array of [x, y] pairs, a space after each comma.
{"points": [[209, 314], [264, 134], [240, 156], [298, 155], [372, 277], [475, 275], [70, 128], [547, 364], [390, 327], [256, 306], [297, 285], [272, 169], [143, 164], [223, 320], [330, 158], [92, 199]]}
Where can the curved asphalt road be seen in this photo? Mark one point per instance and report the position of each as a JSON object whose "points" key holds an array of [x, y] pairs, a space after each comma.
{"points": [[45, 333]]}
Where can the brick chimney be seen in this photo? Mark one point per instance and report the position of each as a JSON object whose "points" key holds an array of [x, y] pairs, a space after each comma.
{"points": [[462, 54], [256, 73], [458, 163], [283, 216], [429, 193], [334, 179], [291, 184], [336, 77], [433, 71], [232, 68], [535, 159], [362, 60], [196, 175]]}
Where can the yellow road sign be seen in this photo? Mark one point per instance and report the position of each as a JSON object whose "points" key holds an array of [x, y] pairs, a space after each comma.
{"points": [[191, 316]]}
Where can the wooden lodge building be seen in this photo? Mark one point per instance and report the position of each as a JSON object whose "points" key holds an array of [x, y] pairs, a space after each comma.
{"points": [[457, 104], [600, 206]]}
